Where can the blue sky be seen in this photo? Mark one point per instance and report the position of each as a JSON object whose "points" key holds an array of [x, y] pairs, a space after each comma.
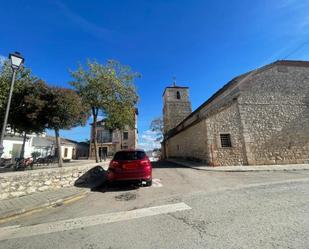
{"points": [[203, 43]]}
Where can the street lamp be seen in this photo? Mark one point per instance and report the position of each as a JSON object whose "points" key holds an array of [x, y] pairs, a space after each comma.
{"points": [[16, 61]]}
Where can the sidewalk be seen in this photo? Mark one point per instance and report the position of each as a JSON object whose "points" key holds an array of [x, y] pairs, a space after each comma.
{"points": [[11, 208], [201, 166]]}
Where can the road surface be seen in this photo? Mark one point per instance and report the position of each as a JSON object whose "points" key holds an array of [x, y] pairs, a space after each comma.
{"points": [[185, 208]]}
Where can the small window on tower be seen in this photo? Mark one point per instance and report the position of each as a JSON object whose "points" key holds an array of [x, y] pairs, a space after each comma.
{"points": [[178, 95]]}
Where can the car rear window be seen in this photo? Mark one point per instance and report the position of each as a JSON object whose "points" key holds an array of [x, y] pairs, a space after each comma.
{"points": [[129, 155]]}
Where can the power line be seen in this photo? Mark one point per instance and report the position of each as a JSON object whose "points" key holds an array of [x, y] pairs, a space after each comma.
{"points": [[295, 50]]}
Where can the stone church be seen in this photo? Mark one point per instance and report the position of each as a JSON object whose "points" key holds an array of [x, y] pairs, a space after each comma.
{"points": [[258, 118]]}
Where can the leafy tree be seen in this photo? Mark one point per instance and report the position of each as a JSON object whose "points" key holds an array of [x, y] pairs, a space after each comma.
{"points": [[27, 109], [28, 105], [121, 112], [157, 127], [20, 116], [65, 110], [108, 88], [23, 78]]}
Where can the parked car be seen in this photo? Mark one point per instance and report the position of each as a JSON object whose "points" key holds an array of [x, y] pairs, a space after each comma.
{"points": [[130, 165]]}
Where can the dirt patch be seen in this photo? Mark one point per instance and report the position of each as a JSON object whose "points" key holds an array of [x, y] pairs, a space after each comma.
{"points": [[126, 197]]}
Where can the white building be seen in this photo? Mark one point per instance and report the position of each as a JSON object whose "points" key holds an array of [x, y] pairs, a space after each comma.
{"points": [[13, 144], [45, 145]]}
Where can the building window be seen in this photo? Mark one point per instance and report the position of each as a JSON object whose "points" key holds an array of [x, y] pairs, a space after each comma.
{"points": [[104, 136], [178, 95], [225, 140], [125, 135], [178, 147]]}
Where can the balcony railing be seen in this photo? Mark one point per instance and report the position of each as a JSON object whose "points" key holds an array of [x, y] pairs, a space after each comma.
{"points": [[104, 140]]}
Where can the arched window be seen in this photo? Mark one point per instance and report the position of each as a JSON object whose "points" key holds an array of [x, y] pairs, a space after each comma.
{"points": [[178, 95]]}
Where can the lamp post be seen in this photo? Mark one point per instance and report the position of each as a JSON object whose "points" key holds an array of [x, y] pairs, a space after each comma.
{"points": [[16, 61]]}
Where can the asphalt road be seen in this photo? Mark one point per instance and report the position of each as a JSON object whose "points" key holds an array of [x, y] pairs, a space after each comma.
{"points": [[185, 208]]}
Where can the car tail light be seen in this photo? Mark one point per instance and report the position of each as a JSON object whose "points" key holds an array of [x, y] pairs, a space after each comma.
{"points": [[144, 163]]}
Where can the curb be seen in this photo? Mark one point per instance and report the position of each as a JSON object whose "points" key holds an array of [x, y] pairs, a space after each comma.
{"points": [[213, 169], [48, 204]]}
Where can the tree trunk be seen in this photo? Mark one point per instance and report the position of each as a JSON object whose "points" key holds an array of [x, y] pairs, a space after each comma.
{"points": [[22, 152], [94, 135], [58, 148], [121, 133]]}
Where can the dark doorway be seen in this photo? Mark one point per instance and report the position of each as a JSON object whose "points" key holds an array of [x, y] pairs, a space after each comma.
{"points": [[103, 152]]}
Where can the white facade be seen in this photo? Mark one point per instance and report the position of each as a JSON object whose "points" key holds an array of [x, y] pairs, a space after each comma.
{"points": [[45, 145], [13, 144], [67, 151]]}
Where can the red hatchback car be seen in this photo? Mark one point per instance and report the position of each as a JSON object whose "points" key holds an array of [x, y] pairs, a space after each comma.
{"points": [[130, 165]]}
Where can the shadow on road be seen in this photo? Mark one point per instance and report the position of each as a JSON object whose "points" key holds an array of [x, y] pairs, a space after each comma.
{"points": [[93, 178], [96, 180], [117, 187], [165, 165]]}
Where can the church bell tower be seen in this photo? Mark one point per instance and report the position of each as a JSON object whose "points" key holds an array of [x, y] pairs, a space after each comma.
{"points": [[176, 106]]}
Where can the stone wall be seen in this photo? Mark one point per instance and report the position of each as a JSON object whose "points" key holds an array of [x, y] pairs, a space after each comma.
{"points": [[202, 140], [15, 184], [226, 121], [274, 110], [190, 143]]}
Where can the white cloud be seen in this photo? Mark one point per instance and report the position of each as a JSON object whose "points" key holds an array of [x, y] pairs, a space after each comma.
{"points": [[296, 15], [292, 16], [148, 140], [2, 59], [286, 24], [83, 23]]}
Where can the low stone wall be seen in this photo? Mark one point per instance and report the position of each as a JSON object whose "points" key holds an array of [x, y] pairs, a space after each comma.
{"points": [[15, 184]]}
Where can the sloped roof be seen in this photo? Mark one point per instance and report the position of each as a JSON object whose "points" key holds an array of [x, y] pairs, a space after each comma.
{"points": [[42, 142], [49, 141], [76, 142]]}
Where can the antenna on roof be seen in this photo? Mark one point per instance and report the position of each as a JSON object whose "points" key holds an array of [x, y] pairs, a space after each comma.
{"points": [[174, 81]]}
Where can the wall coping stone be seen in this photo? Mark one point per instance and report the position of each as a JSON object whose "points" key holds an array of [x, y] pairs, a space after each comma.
{"points": [[50, 170]]}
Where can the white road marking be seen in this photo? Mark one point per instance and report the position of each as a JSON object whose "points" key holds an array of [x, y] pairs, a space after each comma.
{"points": [[156, 183], [12, 232]]}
